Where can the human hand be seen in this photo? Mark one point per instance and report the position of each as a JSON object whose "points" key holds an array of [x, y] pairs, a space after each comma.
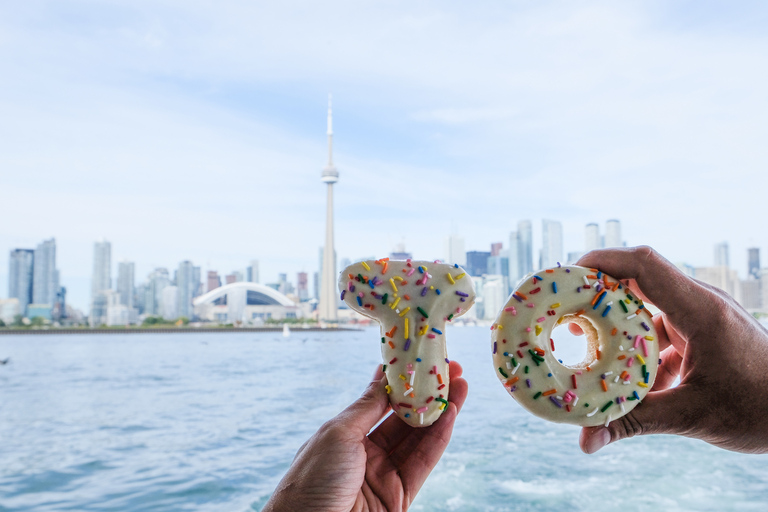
{"points": [[344, 467], [719, 351]]}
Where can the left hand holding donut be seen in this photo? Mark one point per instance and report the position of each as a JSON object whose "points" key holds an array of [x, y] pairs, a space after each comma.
{"points": [[344, 467], [719, 351]]}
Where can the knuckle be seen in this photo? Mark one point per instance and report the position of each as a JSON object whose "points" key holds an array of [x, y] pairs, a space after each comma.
{"points": [[625, 427]]}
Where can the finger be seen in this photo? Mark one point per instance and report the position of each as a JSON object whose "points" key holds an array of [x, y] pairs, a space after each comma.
{"points": [[661, 412], [660, 281], [366, 411], [669, 369], [575, 329], [393, 430]]}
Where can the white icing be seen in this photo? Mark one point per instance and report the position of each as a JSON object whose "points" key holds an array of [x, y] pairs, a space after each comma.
{"points": [[533, 325], [393, 301]]}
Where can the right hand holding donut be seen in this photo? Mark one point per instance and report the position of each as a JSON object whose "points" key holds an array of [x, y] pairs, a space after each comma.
{"points": [[719, 351]]}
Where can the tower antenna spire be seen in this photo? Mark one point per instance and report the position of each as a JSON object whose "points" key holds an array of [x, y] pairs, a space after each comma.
{"points": [[330, 131]]}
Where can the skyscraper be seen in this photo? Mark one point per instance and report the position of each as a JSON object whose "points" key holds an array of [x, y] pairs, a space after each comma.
{"points": [[126, 282], [20, 277], [551, 243], [187, 283], [327, 309], [753, 263], [101, 278], [214, 281], [592, 237], [525, 247], [721, 255], [101, 282], [496, 248], [477, 263], [453, 250], [45, 282], [302, 286], [252, 272], [514, 258], [613, 234]]}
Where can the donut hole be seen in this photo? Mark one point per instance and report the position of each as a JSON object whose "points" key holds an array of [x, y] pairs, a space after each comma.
{"points": [[574, 351]]}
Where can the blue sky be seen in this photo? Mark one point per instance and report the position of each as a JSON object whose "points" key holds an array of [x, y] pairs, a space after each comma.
{"points": [[196, 130]]}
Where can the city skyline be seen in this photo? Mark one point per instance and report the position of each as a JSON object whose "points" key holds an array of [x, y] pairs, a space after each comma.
{"points": [[121, 122], [185, 271]]}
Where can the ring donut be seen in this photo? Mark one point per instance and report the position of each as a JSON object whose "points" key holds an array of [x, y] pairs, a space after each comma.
{"points": [[622, 356]]}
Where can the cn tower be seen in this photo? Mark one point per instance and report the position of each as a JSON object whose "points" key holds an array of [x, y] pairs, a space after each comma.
{"points": [[327, 309]]}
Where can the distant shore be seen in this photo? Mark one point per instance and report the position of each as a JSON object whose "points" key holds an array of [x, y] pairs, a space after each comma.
{"points": [[172, 330]]}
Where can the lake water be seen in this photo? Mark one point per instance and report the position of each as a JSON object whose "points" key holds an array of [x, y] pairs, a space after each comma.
{"points": [[212, 421]]}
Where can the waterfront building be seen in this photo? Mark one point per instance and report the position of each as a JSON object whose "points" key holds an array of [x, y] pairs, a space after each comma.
{"points": [[9, 308], [327, 308], [525, 247], [187, 285], [453, 250], [169, 302], [45, 281], [20, 277], [592, 239], [751, 297], [477, 263], [613, 234], [302, 286], [551, 243], [44, 311], [513, 253], [573, 257], [494, 295], [721, 255], [157, 281], [119, 313], [245, 303], [126, 283], [101, 278], [753, 262], [252, 272], [214, 281]]}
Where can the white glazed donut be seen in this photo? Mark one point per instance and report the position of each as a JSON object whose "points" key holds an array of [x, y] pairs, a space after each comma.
{"points": [[621, 361], [412, 300]]}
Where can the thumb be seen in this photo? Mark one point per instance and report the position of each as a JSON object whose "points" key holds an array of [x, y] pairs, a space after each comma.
{"points": [[363, 414], [660, 412]]}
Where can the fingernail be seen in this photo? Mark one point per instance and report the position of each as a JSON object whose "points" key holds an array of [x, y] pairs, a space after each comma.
{"points": [[597, 440]]}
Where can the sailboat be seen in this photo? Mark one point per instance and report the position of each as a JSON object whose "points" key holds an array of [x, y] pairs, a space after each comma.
{"points": [[286, 331]]}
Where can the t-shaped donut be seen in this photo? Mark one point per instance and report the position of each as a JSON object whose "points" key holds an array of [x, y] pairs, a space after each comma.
{"points": [[412, 300]]}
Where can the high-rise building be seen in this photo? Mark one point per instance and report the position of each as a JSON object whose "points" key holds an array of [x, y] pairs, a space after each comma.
{"points": [[592, 239], [477, 263], [525, 247], [753, 263], [327, 307], [126, 283], [169, 306], [494, 295], [551, 243], [302, 286], [721, 255], [453, 250], [214, 281], [158, 281], [230, 278], [252, 272], [20, 277], [187, 284], [514, 258], [45, 281], [613, 234], [101, 281], [496, 248]]}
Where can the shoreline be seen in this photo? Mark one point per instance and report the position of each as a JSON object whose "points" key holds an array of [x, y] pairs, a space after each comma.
{"points": [[173, 330]]}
